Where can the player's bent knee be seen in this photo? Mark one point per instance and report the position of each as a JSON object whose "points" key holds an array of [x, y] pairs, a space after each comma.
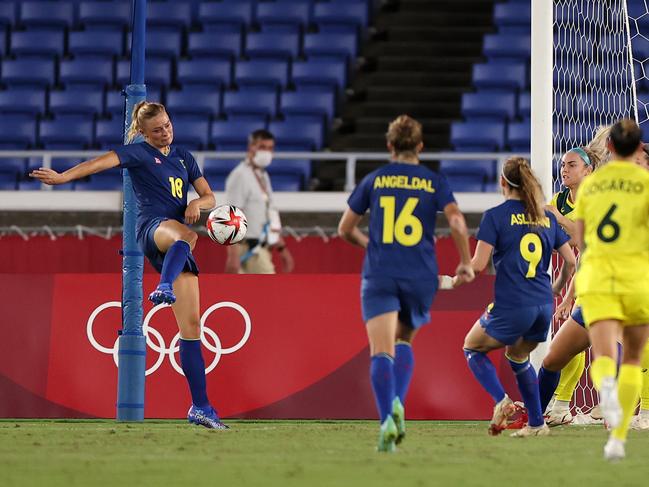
{"points": [[190, 237]]}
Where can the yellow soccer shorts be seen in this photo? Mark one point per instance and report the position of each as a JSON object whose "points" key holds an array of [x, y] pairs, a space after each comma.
{"points": [[629, 309]]}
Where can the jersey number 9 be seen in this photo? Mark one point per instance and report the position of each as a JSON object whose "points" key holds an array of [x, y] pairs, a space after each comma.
{"points": [[532, 251], [176, 187], [396, 229]]}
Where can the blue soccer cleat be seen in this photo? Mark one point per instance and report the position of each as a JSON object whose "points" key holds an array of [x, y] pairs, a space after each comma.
{"points": [[205, 417], [164, 293]]}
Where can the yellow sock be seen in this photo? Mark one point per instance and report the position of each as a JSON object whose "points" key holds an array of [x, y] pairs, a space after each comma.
{"points": [[570, 376], [629, 383], [644, 393], [601, 368]]}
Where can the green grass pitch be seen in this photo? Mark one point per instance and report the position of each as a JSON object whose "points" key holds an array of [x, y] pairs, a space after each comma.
{"points": [[305, 453]]}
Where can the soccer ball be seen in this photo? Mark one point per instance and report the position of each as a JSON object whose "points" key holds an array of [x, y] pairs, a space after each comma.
{"points": [[227, 225]]}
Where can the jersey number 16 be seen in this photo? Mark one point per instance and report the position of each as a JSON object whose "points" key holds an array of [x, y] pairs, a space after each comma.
{"points": [[395, 229]]}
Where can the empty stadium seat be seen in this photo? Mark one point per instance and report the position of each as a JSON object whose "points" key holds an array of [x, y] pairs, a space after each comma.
{"points": [[285, 182], [514, 16], [229, 15], [466, 183], [214, 44], [109, 133], [212, 72], [320, 72], [96, 43], [518, 136], [284, 13], [7, 14], [298, 136], [191, 133], [86, 72], [110, 180], [29, 184], [524, 105], [261, 72], [157, 72], [477, 136], [37, 43], [354, 14], [292, 174], [64, 134], [77, 102], [166, 44], [499, 76], [250, 103], [199, 101], [24, 101], [159, 15], [343, 46], [232, 135], [494, 106], [115, 100], [115, 15], [216, 171], [486, 169], [10, 171], [17, 133], [308, 103], [514, 47], [47, 15], [272, 45]]}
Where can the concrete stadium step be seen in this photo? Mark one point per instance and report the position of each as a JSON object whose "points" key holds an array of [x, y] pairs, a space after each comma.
{"points": [[415, 109], [418, 94], [411, 79], [429, 48], [376, 142], [412, 63], [431, 126]]}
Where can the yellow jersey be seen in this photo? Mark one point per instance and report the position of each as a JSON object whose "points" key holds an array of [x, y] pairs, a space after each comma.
{"points": [[613, 203], [561, 201]]}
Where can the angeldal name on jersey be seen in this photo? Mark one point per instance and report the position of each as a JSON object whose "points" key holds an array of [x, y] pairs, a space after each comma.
{"points": [[404, 182]]}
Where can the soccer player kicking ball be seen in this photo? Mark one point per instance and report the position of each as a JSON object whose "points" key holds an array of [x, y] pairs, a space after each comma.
{"points": [[522, 236], [612, 216], [400, 270]]}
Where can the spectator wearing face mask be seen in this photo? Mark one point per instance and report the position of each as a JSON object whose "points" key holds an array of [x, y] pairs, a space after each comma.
{"points": [[248, 187]]}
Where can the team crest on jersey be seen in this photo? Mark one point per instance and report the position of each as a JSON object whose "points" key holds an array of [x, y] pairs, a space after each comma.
{"points": [[182, 161], [157, 161]]}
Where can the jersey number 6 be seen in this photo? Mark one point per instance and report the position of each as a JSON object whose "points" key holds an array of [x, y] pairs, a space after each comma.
{"points": [[532, 251], [396, 229], [607, 222]]}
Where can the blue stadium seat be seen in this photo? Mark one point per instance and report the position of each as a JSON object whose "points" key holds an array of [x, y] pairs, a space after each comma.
{"points": [[191, 133], [29, 185], [216, 171], [96, 43], [115, 100], [518, 136], [466, 183], [61, 164], [493, 106], [47, 15], [228, 15], [34, 72], [65, 134], [164, 44], [261, 72], [27, 102], [354, 14], [343, 46], [176, 18], [212, 72], [306, 136], [486, 169], [110, 180], [524, 105], [7, 14], [232, 135], [157, 72], [77, 102], [191, 100], [501, 76], [511, 47], [115, 15], [513, 15], [37, 43], [86, 72], [249, 102], [214, 44], [308, 103], [10, 171], [109, 133], [272, 45], [478, 136], [295, 172], [320, 72], [17, 133], [284, 13]]}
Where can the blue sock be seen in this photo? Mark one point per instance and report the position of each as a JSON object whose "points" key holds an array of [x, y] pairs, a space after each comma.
{"points": [[174, 262], [548, 382], [191, 359], [382, 375], [485, 372], [404, 363], [529, 387]]}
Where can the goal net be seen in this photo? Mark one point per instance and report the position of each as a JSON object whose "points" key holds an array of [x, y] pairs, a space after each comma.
{"points": [[601, 63]]}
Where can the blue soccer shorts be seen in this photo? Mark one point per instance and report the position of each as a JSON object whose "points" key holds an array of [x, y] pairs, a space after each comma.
{"points": [[507, 325], [578, 316], [149, 248]]}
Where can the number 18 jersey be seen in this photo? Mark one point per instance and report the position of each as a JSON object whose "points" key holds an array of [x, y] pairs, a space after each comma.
{"points": [[403, 200], [522, 253]]}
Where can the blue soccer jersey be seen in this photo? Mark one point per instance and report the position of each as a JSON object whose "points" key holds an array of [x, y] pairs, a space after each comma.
{"points": [[403, 200], [160, 182], [522, 254]]}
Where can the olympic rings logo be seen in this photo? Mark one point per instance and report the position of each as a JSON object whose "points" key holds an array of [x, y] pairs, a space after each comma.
{"points": [[174, 347]]}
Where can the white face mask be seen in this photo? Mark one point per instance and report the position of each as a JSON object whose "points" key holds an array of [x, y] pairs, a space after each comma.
{"points": [[263, 158]]}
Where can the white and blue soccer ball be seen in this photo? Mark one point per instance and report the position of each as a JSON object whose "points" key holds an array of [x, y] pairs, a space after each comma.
{"points": [[227, 225]]}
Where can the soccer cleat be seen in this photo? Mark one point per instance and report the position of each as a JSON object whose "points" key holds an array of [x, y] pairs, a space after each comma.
{"points": [[640, 422], [596, 413], [387, 436], [502, 412], [559, 418], [614, 450], [399, 416], [163, 294], [609, 403], [205, 417], [519, 418], [528, 430]]}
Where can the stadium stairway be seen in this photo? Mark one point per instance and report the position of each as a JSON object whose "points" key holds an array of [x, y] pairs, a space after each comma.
{"points": [[418, 60]]}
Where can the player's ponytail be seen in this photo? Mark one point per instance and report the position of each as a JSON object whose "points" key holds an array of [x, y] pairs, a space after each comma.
{"points": [[405, 136], [518, 175], [597, 148], [142, 111]]}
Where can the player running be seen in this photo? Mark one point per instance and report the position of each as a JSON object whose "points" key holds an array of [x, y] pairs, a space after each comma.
{"points": [[522, 236], [612, 216], [400, 275], [160, 174]]}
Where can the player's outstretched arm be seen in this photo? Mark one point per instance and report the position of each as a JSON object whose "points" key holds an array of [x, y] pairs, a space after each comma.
{"points": [[460, 236], [568, 268], [81, 170], [348, 229]]}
